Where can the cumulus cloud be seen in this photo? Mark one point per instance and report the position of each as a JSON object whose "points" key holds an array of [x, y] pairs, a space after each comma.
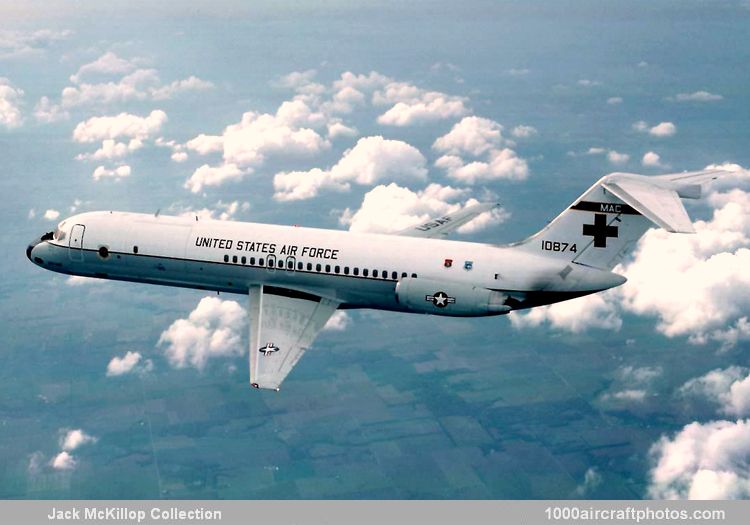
{"points": [[614, 100], [729, 388], [371, 160], [46, 111], [477, 136], [111, 150], [10, 104], [119, 172], [128, 363], [211, 330], [391, 208], [524, 132], [697, 96], [576, 315], [16, 44], [51, 215], [107, 64], [80, 280], [663, 129], [63, 461], [338, 322], [617, 158], [121, 125], [192, 83], [73, 439], [651, 160], [703, 461], [592, 479], [207, 175], [413, 105], [222, 211]]}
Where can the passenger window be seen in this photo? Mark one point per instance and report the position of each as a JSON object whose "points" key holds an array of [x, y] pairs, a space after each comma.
{"points": [[244, 260], [309, 267], [356, 271], [365, 272], [260, 261], [226, 258], [300, 266], [403, 274], [290, 265], [234, 258], [317, 267], [394, 275], [337, 269], [346, 270], [374, 273], [252, 261], [414, 275], [328, 268], [135, 249], [280, 263]]}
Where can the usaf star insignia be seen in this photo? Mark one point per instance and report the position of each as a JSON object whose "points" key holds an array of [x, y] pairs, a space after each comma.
{"points": [[440, 299], [269, 349]]}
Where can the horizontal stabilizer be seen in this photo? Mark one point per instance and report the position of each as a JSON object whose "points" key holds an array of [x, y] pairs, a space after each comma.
{"points": [[660, 204]]}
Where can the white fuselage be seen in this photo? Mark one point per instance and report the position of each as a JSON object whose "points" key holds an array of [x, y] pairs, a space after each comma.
{"points": [[358, 270]]}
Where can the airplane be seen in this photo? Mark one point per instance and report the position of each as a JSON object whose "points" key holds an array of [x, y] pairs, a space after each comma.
{"points": [[296, 278]]}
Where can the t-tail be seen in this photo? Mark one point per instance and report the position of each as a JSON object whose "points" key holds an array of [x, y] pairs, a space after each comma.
{"points": [[605, 223]]}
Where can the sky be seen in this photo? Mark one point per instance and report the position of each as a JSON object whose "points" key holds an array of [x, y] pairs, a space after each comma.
{"points": [[374, 116]]}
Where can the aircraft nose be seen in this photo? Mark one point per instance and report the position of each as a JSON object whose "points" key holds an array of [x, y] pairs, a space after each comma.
{"points": [[33, 244]]}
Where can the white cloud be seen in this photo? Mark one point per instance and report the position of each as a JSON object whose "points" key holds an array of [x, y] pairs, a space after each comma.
{"points": [[17, 44], [192, 83], [204, 144], [121, 125], [697, 96], [338, 322], [206, 176], [477, 136], [472, 135], [337, 129], [703, 461], [107, 64], [617, 158], [63, 461], [391, 208], [10, 104], [591, 481], [297, 79], [211, 330], [614, 100], [111, 150], [729, 388], [524, 132], [116, 173], [46, 111], [74, 439], [518, 72], [576, 315], [222, 211], [696, 284], [663, 129], [588, 83], [51, 215], [651, 159], [371, 160], [501, 164], [128, 363], [413, 105]]}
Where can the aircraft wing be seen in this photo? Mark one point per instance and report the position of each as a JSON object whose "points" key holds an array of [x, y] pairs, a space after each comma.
{"points": [[442, 226], [283, 324]]}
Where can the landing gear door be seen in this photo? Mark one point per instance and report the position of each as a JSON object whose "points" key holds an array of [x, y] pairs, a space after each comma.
{"points": [[75, 244]]}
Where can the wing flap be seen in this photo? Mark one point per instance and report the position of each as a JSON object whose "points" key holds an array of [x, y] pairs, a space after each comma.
{"points": [[282, 328]]}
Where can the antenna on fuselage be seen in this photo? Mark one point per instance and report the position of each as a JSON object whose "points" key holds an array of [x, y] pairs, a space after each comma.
{"points": [[157, 212]]}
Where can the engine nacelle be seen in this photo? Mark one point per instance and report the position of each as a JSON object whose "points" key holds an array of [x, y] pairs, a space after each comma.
{"points": [[449, 298]]}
